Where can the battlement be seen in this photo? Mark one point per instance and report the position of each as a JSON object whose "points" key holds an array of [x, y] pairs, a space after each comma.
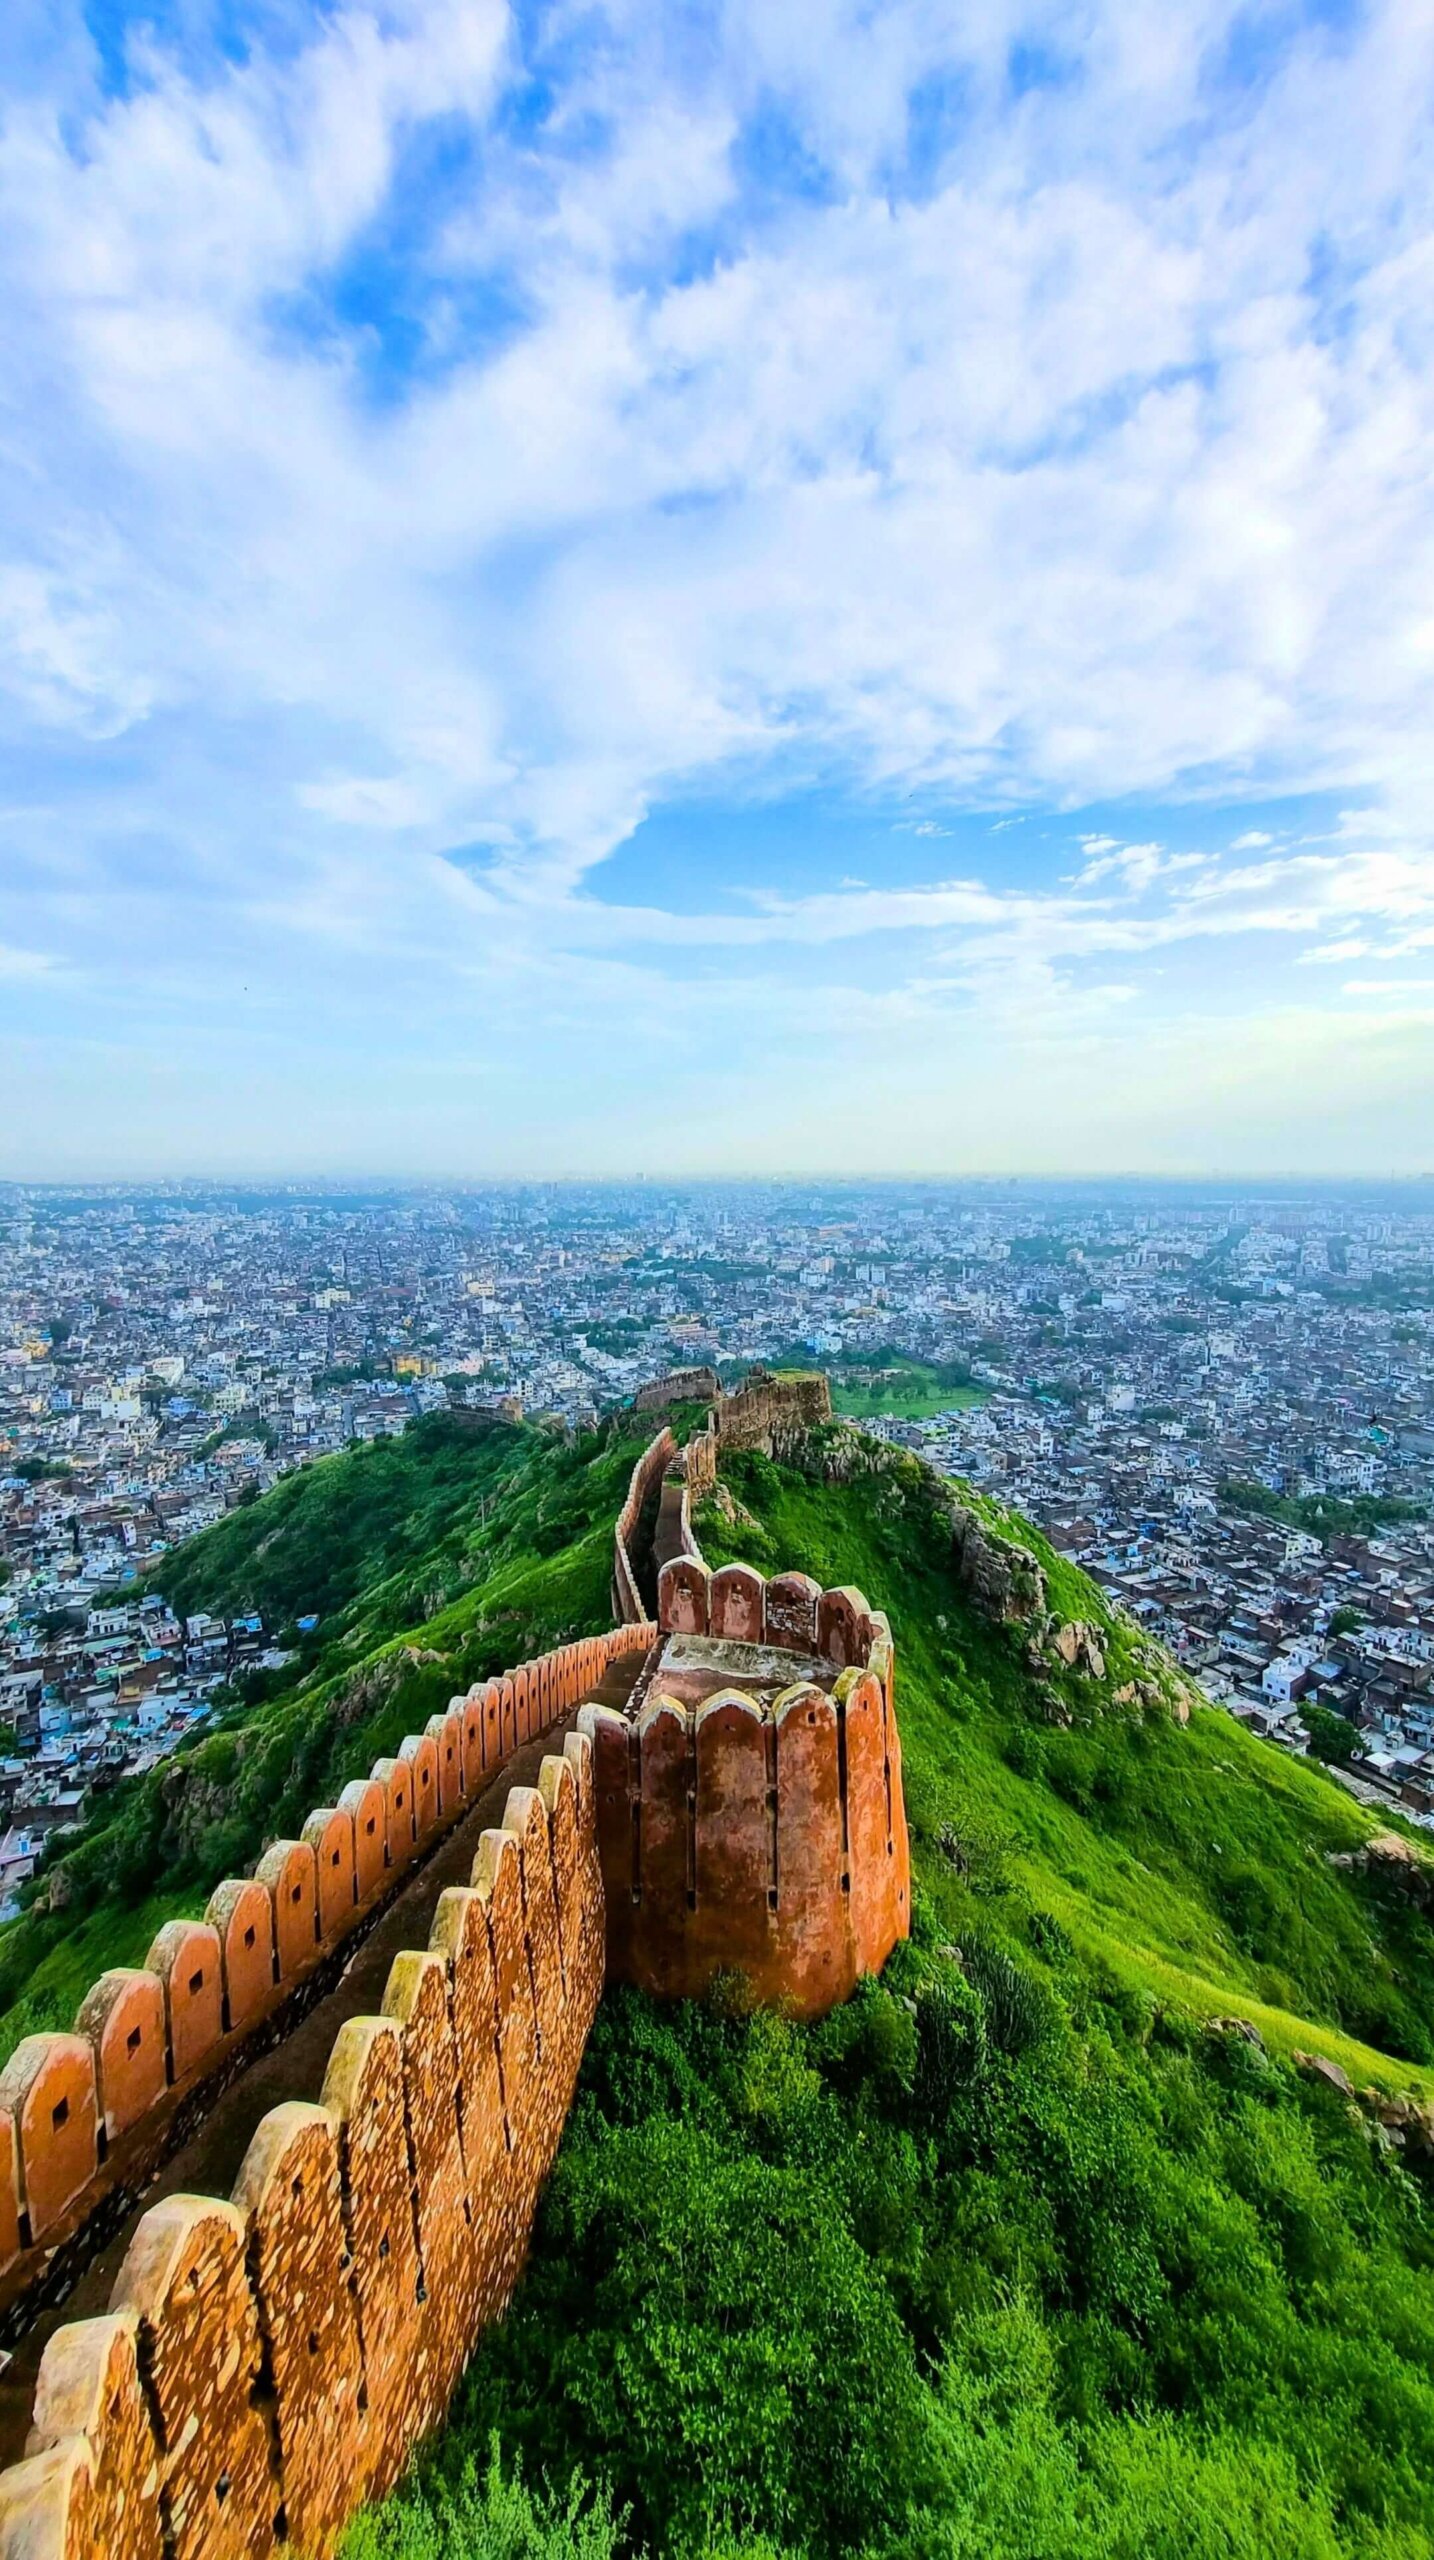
{"points": [[767, 1407], [85, 2112], [749, 1802], [269, 2360]]}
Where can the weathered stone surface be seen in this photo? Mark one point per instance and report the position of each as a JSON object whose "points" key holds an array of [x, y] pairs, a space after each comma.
{"points": [[123, 2018], [1078, 1646], [790, 1605], [9, 2189], [288, 2186], [186, 1957], [47, 2506], [363, 2089], [243, 1913], [417, 1996], [843, 1627], [47, 2091], [287, 1868], [1318, 2066], [735, 1596], [364, 1802], [1004, 1580], [185, 2275], [330, 1835], [684, 1596], [89, 2386]]}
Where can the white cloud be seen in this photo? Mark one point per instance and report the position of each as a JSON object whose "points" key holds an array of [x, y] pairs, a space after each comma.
{"points": [[1035, 475]]}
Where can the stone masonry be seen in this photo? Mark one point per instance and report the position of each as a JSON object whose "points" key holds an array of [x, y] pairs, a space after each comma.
{"points": [[269, 2361]]}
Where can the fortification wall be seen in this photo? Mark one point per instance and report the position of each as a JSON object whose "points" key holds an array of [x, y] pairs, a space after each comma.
{"points": [[699, 1462], [85, 2112], [766, 1408], [765, 1832], [270, 2360], [679, 1386], [651, 1467]]}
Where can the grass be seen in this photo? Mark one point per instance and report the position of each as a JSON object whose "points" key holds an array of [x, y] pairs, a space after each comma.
{"points": [[434, 1560], [1194, 1860], [1011, 2258], [903, 1388]]}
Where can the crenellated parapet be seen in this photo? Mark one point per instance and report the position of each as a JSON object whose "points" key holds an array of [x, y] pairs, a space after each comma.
{"points": [[749, 1802], [731, 1801], [659, 1455], [270, 2359], [84, 2112]]}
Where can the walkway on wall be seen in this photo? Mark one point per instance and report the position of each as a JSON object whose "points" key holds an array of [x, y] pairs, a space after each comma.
{"points": [[294, 2068], [667, 1538]]}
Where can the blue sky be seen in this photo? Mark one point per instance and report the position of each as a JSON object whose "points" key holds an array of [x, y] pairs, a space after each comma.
{"points": [[716, 587]]}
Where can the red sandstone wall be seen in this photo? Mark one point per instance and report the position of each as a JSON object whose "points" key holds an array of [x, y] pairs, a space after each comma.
{"points": [[651, 1467], [269, 2362], [699, 1460], [770, 1837], [143, 2032]]}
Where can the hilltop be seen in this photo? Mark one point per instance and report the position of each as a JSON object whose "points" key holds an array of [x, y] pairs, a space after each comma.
{"points": [[1100, 2225]]}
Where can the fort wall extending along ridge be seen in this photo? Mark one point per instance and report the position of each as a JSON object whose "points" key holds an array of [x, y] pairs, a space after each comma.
{"points": [[269, 2360], [757, 1824], [83, 2112]]}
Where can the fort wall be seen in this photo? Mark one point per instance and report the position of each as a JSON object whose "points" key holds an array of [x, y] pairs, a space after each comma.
{"points": [[768, 1407], [83, 2112], [761, 1826], [647, 1475], [679, 1386], [699, 1462], [270, 2360]]}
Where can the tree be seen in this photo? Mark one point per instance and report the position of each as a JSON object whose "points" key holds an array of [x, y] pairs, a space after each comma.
{"points": [[1332, 1738]]}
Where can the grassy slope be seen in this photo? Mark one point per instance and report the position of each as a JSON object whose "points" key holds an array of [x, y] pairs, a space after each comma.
{"points": [[1009, 2260], [435, 1560], [1191, 1860]]}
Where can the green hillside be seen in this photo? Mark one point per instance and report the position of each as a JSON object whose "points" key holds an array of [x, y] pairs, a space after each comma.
{"points": [[1029, 2253], [432, 1561], [1044, 2248]]}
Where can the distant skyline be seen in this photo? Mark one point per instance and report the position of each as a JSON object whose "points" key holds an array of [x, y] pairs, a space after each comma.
{"points": [[716, 589]]}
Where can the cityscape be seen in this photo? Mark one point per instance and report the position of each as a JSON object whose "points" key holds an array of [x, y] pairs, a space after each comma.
{"points": [[1219, 1402]]}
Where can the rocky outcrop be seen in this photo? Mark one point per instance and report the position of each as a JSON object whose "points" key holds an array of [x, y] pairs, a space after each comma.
{"points": [[1390, 1860], [1079, 1647], [1003, 1580], [1404, 2124]]}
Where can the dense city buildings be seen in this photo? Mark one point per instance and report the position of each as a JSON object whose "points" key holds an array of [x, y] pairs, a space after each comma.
{"points": [[1221, 1402]]}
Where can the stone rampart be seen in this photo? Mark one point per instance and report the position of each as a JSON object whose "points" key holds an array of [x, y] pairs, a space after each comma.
{"points": [[749, 1803], [699, 1462], [768, 1408], [270, 2360], [84, 2112], [679, 1386], [647, 1475]]}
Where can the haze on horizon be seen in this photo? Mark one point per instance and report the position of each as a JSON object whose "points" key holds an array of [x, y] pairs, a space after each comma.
{"points": [[716, 589]]}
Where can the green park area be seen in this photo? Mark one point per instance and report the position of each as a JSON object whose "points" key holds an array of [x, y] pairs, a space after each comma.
{"points": [[905, 1389]]}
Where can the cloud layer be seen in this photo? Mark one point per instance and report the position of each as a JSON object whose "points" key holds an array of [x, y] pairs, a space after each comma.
{"points": [[439, 439]]}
